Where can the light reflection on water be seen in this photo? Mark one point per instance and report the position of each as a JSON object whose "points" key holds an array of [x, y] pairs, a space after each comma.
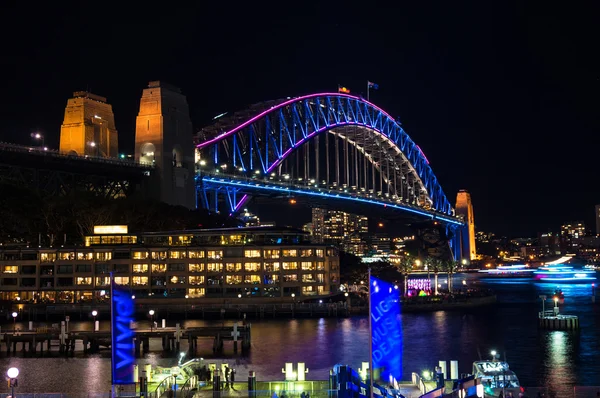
{"points": [[555, 359]]}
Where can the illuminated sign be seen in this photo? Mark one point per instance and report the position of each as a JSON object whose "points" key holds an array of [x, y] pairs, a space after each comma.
{"points": [[110, 229], [122, 313], [386, 330]]}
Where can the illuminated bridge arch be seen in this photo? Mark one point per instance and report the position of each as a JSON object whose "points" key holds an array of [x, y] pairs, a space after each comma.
{"points": [[322, 145]]}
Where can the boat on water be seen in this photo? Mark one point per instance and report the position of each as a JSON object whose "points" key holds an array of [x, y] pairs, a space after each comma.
{"points": [[509, 271], [496, 378], [561, 273]]}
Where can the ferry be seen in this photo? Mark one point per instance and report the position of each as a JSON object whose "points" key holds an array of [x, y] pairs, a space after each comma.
{"points": [[497, 379], [509, 271], [561, 273]]}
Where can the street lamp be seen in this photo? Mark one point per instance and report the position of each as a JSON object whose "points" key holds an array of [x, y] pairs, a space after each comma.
{"points": [[14, 315], [493, 355], [94, 314], [151, 312], [239, 295], [38, 137], [12, 374], [95, 148]]}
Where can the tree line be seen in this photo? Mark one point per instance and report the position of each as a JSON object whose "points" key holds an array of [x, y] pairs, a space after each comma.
{"points": [[30, 219]]}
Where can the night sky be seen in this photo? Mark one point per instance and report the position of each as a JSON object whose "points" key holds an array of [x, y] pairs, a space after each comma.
{"points": [[503, 98]]}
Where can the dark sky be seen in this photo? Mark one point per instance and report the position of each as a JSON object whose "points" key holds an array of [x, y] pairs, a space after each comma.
{"points": [[502, 97]]}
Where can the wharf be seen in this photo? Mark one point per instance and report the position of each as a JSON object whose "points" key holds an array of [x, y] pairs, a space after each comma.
{"points": [[33, 342]]}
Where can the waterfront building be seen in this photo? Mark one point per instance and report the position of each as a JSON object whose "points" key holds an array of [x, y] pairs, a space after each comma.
{"points": [[89, 127], [163, 138], [210, 263], [464, 209]]}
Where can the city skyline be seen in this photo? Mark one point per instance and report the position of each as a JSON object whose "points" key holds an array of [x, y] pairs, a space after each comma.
{"points": [[488, 109]]}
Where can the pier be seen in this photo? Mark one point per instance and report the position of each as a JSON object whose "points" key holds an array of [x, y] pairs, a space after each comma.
{"points": [[64, 342], [554, 320]]}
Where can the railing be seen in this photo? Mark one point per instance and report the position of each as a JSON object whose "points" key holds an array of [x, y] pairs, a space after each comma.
{"points": [[4, 146]]}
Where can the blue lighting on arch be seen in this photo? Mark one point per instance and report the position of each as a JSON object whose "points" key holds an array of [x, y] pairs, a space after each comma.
{"points": [[258, 186], [122, 347]]}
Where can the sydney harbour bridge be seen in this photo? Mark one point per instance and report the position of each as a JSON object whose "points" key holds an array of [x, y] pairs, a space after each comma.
{"points": [[336, 150]]}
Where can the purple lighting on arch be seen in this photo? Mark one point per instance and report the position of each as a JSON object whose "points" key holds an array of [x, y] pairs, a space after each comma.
{"points": [[240, 204], [284, 104]]}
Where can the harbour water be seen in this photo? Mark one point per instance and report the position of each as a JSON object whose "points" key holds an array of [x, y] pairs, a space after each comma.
{"points": [[558, 360]]}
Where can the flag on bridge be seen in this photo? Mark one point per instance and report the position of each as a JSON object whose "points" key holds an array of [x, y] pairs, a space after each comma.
{"points": [[343, 90], [372, 85], [385, 329]]}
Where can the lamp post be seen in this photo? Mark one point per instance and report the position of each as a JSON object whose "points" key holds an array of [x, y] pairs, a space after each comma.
{"points": [[94, 314], [151, 312], [38, 137], [95, 147], [14, 315], [12, 374]]}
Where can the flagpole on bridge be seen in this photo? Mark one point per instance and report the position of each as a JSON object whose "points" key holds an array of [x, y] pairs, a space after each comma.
{"points": [[368, 89], [370, 335]]}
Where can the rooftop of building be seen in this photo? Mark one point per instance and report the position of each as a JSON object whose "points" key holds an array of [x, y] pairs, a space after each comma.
{"points": [[212, 231], [158, 83], [87, 94]]}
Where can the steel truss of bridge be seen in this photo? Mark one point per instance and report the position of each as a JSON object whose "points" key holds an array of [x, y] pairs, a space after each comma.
{"points": [[53, 173], [332, 146]]}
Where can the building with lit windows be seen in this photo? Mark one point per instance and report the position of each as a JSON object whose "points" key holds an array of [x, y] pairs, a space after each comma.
{"points": [[339, 228], [570, 234], [194, 264]]}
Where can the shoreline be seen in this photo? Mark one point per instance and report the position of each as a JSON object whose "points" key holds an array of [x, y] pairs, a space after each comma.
{"points": [[229, 309]]}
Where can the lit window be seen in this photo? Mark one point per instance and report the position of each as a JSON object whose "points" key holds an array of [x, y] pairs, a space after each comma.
{"points": [[196, 292], [102, 280], [233, 267], [272, 253], [290, 253], [252, 278], [214, 267], [196, 280], [319, 252], [103, 256], [251, 253], [271, 266], [85, 256], [139, 281], [306, 253], [196, 267], [84, 280], [308, 266], [252, 267], [140, 255], [159, 268], [140, 268], [289, 265], [177, 254], [162, 255], [214, 254], [308, 278], [122, 280], [196, 254], [11, 269], [233, 279]]}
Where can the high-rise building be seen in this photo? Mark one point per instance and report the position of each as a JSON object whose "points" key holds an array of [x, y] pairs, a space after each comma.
{"points": [[464, 209], [597, 220], [89, 127], [570, 235], [163, 137], [337, 227]]}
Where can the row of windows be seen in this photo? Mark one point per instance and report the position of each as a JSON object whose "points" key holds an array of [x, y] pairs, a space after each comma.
{"points": [[269, 266], [162, 281], [175, 254]]}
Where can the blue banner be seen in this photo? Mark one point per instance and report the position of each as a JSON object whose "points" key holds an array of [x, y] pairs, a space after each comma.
{"points": [[122, 314], [386, 330]]}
